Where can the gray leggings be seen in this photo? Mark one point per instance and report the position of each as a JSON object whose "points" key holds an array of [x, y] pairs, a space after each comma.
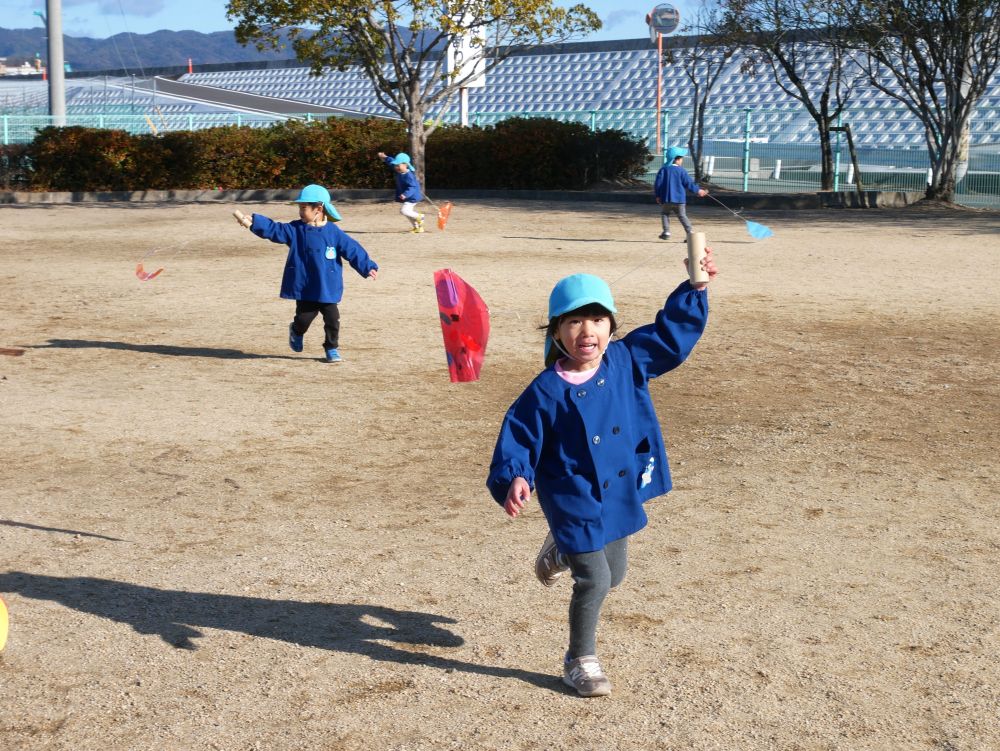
{"points": [[677, 208], [594, 574]]}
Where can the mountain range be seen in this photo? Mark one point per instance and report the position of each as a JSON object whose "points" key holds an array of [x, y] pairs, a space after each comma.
{"points": [[134, 52]]}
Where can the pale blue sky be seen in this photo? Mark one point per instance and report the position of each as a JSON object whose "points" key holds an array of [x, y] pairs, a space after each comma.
{"points": [[623, 19]]}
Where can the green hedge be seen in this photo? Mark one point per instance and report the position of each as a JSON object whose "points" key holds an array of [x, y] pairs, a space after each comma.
{"points": [[14, 167], [338, 153]]}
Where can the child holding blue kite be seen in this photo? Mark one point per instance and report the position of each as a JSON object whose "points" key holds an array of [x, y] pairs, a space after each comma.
{"points": [[585, 437], [671, 187], [314, 271]]}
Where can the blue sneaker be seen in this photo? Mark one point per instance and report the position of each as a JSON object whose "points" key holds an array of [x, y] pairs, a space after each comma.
{"points": [[333, 355], [294, 340]]}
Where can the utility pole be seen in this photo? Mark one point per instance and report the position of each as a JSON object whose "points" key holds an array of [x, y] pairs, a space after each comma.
{"points": [[56, 64]]}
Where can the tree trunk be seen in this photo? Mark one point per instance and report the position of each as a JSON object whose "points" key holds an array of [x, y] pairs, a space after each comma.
{"points": [[418, 141], [942, 187], [826, 156]]}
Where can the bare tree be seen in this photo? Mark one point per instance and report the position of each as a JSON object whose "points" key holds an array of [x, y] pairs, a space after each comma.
{"points": [[936, 58], [399, 44], [803, 45]]}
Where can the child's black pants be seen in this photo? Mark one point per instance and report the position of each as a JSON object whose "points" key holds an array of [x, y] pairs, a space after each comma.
{"points": [[306, 312]]}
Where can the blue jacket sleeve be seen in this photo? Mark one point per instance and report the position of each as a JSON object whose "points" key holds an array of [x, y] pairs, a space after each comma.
{"points": [[689, 182], [355, 254], [667, 342], [518, 446], [276, 232], [660, 185]]}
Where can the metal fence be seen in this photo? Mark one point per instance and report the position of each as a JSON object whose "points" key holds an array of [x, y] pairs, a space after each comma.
{"points": [[762, 150], [769, 150]]}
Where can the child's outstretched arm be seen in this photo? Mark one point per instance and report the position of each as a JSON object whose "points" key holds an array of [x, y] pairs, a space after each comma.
{"points": [[356, 255], [664, 344]]}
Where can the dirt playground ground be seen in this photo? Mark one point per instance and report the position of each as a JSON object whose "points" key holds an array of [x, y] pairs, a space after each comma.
{"points": [[210, 542]]}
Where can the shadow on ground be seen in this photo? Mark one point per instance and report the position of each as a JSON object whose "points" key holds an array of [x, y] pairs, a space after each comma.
{"points": [[159, 349], [175, 616]]}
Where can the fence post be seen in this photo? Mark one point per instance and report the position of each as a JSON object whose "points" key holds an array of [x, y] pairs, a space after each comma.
{"points": [[593, 121], [6, 132], [190, 121], [746, 152]]}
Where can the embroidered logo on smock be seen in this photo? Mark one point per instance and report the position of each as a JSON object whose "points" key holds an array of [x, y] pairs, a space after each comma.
{"points": [[647, 476], [331, 252]]}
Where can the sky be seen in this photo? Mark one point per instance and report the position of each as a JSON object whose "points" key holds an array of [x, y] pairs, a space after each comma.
{"points": [[99, 19]]}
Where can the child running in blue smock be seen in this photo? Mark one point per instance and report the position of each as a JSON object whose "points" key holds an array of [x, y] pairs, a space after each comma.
{"points": [[671, 187], [314, 271], [408, 190], [584, 436]]}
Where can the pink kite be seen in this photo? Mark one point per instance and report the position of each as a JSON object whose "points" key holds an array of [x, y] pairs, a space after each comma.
{"points": [[465, 323], [145, 276]]}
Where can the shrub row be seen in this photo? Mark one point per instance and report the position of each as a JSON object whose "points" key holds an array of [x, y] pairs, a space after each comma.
{"points": [[337, 153]]}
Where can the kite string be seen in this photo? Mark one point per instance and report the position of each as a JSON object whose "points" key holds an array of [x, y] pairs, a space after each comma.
{"points": [[163, 251], [634, 268]]}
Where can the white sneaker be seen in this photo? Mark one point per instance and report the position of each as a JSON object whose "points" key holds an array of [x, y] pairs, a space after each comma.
{"points": [[586, 675], [549, 565]]}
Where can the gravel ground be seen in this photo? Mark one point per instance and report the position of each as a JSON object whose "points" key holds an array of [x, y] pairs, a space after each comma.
{"points": [[209, 542]]}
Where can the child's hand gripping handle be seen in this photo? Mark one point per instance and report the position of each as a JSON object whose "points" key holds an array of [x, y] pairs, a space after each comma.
{"points": [[242, 218], [696, 255], [700, 261]]}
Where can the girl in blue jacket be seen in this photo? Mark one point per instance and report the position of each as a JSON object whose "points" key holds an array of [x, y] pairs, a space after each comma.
{"points": [[314, 271], [585, 437]]}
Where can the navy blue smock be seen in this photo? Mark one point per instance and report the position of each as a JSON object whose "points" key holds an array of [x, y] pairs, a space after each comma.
{"points": [[673, 183], [594, 451], [314, 270]]}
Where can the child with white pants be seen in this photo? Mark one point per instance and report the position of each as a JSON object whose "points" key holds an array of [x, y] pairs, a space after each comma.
{"points": [[407, 189]]}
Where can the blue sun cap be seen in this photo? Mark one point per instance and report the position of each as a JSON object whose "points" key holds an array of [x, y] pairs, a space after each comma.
{"points": [[578, 290], [400, 158], [675, 151], [319, 194]]}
